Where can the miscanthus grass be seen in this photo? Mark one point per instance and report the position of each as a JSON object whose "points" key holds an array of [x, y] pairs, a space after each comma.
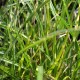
{"points": [[39, 40]]}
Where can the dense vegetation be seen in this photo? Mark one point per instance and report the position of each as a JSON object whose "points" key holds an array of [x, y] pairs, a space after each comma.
{"points": [[39, 40]]}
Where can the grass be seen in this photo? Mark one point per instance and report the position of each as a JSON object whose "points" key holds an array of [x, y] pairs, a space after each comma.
{"points": [[39, 40]]}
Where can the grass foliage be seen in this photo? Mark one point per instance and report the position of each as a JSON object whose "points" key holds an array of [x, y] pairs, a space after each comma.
{"points": [[39, 40]]}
